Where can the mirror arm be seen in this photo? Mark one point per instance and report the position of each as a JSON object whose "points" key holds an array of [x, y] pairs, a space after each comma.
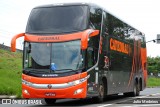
{"points": [[88, 33], [13, 41]]}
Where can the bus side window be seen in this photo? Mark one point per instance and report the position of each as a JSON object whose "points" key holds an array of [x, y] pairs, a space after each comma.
{"points": [[91, 26], [116, 27], [92, 51], [105, 24], [95, 18], [95, 23], [90, 57]]}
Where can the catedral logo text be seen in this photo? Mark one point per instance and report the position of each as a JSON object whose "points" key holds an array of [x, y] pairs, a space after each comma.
{"points": [[120, 46], [48, 38]]}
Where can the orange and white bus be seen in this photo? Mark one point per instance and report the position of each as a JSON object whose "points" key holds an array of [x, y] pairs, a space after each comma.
{"points": [[80, 50]]}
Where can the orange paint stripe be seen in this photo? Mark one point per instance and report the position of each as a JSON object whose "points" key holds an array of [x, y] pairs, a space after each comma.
{"points": [[60, 38], [144, 60], [53, 38], [133, 68], [133, 64]]}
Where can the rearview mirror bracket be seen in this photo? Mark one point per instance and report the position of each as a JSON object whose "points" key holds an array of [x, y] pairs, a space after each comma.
{"points": [[13, 41]]}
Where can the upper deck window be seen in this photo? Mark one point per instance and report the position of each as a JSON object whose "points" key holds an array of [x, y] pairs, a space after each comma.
{"points": [[58, 19]]}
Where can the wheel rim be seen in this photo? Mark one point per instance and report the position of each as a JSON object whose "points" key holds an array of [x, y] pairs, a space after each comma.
{"points": [[135, 89], [101, 91]]}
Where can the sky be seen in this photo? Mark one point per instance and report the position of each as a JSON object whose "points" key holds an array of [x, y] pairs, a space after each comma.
{"points": [[144, 15]]}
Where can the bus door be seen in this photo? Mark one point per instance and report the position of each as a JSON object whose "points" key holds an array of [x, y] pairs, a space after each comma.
{"points": [[92, 54]]}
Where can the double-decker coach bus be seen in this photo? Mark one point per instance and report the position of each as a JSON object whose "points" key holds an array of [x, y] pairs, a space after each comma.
{"points": [[80, 50]]}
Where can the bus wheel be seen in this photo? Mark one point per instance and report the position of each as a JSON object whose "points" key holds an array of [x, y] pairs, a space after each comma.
{"points": [[136, 91], [50, 101], [102, 93]]}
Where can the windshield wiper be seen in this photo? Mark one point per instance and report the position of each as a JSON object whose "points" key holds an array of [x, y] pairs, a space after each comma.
{"points": [[27, 71], [63, 70]]}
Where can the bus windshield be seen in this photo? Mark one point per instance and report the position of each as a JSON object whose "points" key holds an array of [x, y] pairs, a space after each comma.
{"points": [[53, 56], [57, 19]]}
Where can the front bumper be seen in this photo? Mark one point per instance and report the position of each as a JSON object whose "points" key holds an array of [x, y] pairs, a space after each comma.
{"points": [[70, 92], [74, 86]]}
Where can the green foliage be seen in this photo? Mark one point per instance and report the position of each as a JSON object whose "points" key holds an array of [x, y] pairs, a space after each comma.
{"points": [[153, 65], [10, 73], [152, 82]]}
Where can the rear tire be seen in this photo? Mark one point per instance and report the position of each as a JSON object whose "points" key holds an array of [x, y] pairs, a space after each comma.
{"points": [[136, 91], [50, 101]]}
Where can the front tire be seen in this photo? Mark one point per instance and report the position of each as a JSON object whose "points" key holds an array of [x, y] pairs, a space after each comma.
{"points": [[50, 101], [102, 93]]}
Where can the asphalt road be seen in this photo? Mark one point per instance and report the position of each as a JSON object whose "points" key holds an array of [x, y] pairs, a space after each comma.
{"points": [[148, 98]]}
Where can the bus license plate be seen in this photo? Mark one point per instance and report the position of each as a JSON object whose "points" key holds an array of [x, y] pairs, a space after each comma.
{"points": [[50, 94]]}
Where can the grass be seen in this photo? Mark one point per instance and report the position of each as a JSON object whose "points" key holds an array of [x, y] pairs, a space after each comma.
{"points": [[153, 82], [10, 73]]}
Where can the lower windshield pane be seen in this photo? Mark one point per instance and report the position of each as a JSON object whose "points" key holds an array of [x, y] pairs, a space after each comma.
{"points": [[37, 55], [64, 56]]}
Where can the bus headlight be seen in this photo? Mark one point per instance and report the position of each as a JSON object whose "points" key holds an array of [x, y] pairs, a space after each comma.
{"points": [[55, 86], [26, 83], [76, 82]]}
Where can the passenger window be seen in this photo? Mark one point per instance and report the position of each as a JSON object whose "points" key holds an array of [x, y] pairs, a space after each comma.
{"points": [[116, 27]]}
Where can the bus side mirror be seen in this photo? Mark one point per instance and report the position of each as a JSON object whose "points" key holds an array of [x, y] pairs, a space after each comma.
{"points": [[94, 33], [13, 41], [86, 35]]}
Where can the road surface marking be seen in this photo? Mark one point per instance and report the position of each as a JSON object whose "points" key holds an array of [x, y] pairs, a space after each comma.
{"points": [[105, 105], [148, 105], [134, 105]]}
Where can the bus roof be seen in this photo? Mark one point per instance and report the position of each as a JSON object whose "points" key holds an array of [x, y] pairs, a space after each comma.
{"points": [[65, 4], [80, 4]]}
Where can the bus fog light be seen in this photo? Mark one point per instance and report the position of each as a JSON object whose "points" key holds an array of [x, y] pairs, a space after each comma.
{"points": [[78, 91], [26, 91]]}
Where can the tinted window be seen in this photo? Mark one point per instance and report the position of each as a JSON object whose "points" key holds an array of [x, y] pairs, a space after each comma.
{"points": [[94, 23], [95, 18], [116, 27], [57, 19]]}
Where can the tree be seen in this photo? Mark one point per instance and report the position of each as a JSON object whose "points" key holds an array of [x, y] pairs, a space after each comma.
{"points": [[153, 65]]}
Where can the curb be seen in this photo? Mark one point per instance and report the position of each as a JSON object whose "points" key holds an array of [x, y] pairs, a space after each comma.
{"points": [[153, 87], [7, 96]]}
